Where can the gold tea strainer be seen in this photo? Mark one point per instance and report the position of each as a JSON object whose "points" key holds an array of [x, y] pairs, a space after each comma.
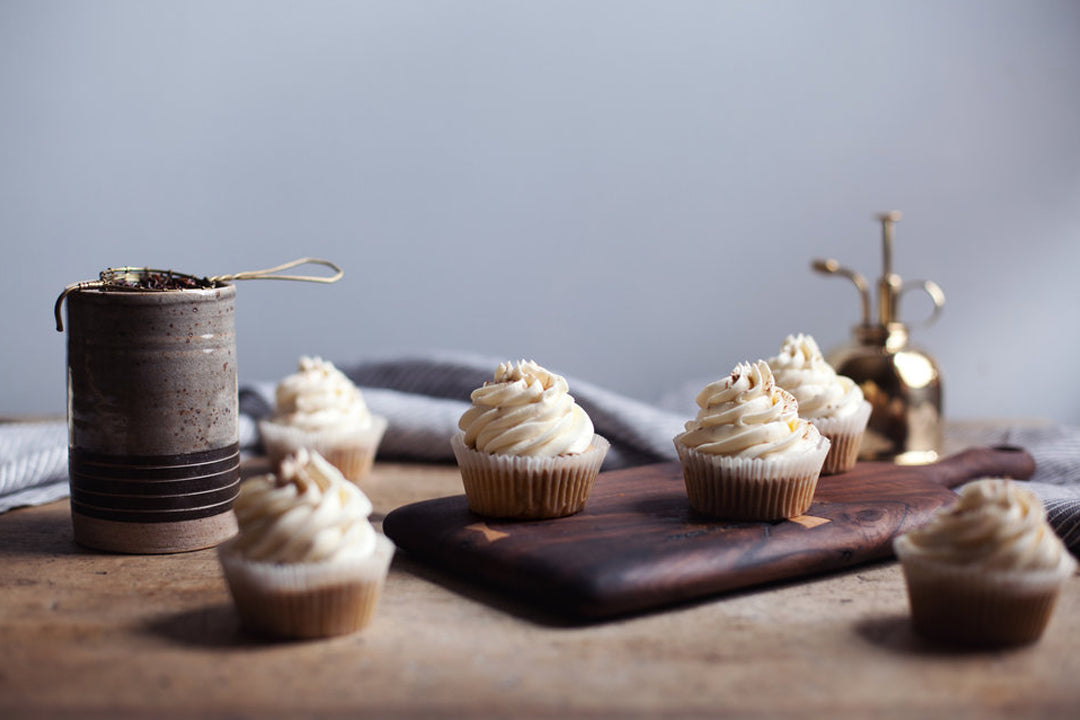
{"points": [[144, 279]]}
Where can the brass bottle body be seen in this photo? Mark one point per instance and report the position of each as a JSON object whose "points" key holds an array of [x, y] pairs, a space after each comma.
{"points": [[903, 385]]}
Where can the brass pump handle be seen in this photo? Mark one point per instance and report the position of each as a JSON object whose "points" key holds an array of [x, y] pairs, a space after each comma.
{"points": [[931, 288], [832, 267]]}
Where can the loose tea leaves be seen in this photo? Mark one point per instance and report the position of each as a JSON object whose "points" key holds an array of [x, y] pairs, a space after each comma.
{"points": [[156, 280]]}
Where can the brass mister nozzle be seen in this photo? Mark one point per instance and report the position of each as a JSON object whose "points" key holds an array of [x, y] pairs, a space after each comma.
{"points": [[832, 267]]}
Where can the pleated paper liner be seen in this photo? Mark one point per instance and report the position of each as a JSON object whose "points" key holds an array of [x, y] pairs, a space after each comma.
{"points": [[508, 486], [307, 600], [978, 607], [352, 453], [766, 489], [846, 435]]}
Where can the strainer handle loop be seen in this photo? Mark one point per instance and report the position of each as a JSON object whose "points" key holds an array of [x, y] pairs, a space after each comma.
{"points": [[271, 273], [108, 279]]}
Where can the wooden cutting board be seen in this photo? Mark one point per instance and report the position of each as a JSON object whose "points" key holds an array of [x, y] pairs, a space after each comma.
{"points": [[637, 545]]}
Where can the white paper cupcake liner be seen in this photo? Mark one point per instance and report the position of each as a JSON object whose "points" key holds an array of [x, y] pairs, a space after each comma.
{"points": [[845, 434], [761, 489], [306, 600], [978, 607], [351, 451], [508, 486]]}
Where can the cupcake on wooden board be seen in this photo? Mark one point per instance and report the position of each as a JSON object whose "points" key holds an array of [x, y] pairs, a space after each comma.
{"points": [[833, 403], [748, 455], [306, 562], [318, 408], [525, 448], [986, 571]]}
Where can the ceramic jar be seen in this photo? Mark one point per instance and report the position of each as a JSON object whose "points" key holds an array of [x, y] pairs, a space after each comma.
{"points": [[153, 444]]}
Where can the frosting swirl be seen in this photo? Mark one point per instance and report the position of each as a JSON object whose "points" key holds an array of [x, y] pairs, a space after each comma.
{"points": [[320, 397], [802, 370], [747, 415], [526, 410], [308, 514], [996, 525]]}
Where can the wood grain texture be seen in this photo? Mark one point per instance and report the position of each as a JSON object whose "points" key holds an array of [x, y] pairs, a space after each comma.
{"points": [[638, 545], [99, 635]]}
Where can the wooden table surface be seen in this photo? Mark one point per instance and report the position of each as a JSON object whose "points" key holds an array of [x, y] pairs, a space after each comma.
{"points": [[86, 634]]}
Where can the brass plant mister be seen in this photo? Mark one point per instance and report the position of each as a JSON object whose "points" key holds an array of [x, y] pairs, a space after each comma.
{"points": [[902, 382]]}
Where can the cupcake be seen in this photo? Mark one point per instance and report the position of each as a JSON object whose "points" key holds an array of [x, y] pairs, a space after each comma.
{"points": [[525, 448], [306, 562], [320, 409], [748, 455], [833, 403], [986, 571]]}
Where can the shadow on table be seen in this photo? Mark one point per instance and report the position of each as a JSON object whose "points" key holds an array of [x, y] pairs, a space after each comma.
{"points": [[210, 627], [42, 530], [895, 633], [478, 592], [524, 607], [214, 626], [218, 627]]}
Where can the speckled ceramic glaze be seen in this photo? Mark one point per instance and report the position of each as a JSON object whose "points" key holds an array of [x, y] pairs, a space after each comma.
{"points": [[152, 418]]}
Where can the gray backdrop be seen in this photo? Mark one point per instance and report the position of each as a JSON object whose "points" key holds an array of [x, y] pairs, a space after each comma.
{"points": [[628, 192]]}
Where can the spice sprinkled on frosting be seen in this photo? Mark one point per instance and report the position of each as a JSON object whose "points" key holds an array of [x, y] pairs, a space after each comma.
{"points": [[526, 410], [748, 415]]}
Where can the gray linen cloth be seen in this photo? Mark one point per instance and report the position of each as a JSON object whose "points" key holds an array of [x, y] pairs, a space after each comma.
{"points": [[423, 397]]}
